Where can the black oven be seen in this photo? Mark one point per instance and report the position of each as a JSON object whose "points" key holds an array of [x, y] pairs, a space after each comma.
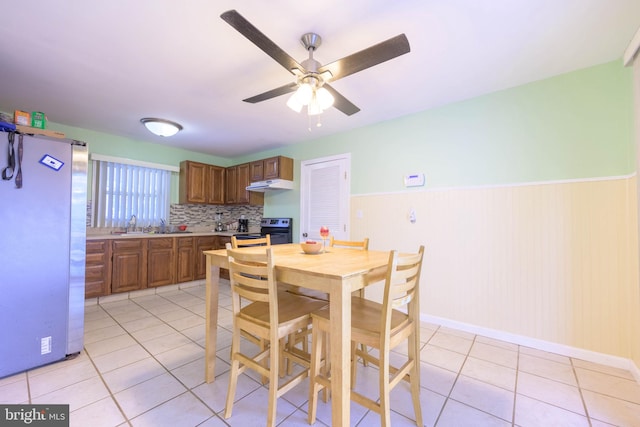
{"points": [[279, 229]]}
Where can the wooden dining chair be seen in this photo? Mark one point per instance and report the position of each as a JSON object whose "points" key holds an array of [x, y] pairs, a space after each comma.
{"points": [[241, 243], [356, 244], [269, 315], [353, 244], [238, 243], [382, 326]]}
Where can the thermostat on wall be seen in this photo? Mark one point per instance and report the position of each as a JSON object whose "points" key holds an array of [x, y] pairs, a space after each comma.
{"points": [[414, 180]]}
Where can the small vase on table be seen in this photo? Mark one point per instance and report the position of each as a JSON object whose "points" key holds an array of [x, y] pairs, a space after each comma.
{"points": [[324, 232]]}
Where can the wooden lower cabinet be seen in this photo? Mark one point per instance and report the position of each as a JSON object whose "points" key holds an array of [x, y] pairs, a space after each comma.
{"points": [[203, 243], [161, 261], [98, 268], [129, 265], [185, 259], [123, 265]]}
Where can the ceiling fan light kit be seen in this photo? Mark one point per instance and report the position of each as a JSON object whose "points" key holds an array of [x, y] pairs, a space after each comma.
{"points": [[161, 127], [311, 88]]}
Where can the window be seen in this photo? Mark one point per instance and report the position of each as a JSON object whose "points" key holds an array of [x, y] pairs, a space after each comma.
{"points": [[122, 188]]}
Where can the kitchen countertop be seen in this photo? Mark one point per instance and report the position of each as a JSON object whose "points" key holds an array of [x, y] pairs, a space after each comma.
{"points": [[98, 236]]}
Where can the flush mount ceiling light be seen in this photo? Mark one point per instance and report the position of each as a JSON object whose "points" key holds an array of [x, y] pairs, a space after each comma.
{"points": [[161, 127]]}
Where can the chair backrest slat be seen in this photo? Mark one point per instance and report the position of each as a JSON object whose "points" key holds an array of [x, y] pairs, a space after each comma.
{"points": [[251, 275], [238, 243], [360, 244], [401, 285]]}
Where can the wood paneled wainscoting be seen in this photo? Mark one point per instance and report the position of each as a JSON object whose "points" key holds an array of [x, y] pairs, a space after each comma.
{"points": [[553, 263]]}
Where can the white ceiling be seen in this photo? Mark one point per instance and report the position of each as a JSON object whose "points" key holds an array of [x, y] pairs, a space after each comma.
{"points": [[103, 65]]}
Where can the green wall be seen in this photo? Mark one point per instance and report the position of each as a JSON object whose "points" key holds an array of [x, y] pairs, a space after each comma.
{"points": [[576, 125], [571, 126]]}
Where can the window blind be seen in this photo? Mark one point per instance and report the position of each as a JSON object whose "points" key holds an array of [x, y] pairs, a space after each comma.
{"points": [[123, 190]]}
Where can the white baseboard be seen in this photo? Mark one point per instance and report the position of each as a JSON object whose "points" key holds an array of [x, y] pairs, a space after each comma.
{"points": [[564, 350]]}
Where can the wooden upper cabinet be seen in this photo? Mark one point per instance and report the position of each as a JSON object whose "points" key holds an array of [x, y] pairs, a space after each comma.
{"points": [[201, 183], [215, 180], [231, 187], [272, 168], [237, 181], [257, 171]]}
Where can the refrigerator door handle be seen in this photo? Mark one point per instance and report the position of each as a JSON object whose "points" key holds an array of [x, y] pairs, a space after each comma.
{"points": [[7, 173], [19, 172]]}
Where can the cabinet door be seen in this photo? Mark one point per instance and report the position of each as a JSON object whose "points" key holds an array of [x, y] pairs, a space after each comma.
{"points": [[257, 171], [129, 266], [97, 269], [242, 177], [271, 169], [193, 182], [203, 243], [245, 197], [278, 167], [215, 185], [231, 185], [161, 261], [185, 260]]}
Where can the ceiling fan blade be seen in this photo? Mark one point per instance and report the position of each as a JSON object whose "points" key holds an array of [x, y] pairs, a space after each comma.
{"points": [[340, 102], [244, 27], [374, 55], [291, 87]]}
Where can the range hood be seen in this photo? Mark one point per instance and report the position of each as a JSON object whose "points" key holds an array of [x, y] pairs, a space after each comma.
{"points": [[271, 184]]}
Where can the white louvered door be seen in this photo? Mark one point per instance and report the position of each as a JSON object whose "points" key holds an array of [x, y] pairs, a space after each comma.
{"points": [[324, 197]]}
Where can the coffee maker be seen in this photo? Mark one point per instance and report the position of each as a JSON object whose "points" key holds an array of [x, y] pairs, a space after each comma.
{"points": [[219, 226], [243, 225]]}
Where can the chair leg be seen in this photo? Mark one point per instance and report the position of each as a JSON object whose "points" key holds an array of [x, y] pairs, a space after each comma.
{"points": [[385, 390], [415, 392], [325, 367], [263, 346], [284, 361], [274, 371], [233, 377], [317, 338], [354, 364], [414, 376], [365, 350]]}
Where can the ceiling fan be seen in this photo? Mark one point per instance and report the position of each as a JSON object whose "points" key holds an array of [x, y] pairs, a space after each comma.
{"points": [[312, 78]]}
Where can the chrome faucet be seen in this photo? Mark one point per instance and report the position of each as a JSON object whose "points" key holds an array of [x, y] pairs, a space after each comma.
{"points": [[132, 223]]}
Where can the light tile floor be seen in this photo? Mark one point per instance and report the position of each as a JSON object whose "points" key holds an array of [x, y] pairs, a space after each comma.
{"points": [[143, 365]]}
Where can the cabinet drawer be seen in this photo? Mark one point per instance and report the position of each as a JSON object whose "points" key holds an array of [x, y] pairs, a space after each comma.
{"points": [[185, 242], [96, 246], [96, 258], [163, 243], [128, 245]]}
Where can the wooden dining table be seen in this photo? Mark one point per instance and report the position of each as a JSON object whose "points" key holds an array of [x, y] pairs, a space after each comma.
{"points": [[337, 272]]}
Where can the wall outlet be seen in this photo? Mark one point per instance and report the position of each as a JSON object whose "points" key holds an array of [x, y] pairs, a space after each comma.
{"points": [[412, 216]]}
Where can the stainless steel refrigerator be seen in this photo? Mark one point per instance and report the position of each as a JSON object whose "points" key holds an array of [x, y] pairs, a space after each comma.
{"points": [[43, 204]]}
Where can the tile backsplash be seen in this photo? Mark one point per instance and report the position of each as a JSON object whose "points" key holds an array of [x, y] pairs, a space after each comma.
{"points": [[203, 217]]}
